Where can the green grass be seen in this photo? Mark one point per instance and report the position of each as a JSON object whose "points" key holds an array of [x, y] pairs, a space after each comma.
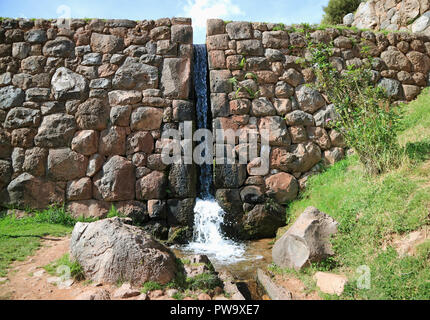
{"points": [[19, 238], [76, 271], [369, 209]]}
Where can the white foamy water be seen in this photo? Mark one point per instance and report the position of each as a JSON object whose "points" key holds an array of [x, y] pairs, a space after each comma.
{"points": [[208, 238]]}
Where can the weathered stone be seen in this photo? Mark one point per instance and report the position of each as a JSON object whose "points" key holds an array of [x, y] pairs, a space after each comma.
{"points": [[116, 182], [325, 116], [282, 186], [180, 212], [140, 141], [262, 107], [365, 16], [101, 83], [299, 118], [274, 291], [56, 131], [122, 97], [306, 241], [136, 76], [11, 97], [88, 209], [396, 60], [60, 47], [68, 85], [293, 77], [112, 141], [157, 209], [420, 61], [21, 50], [298, 134], [33, 64], [182, 181], [337, 139], [319, 136], [93, 114], [230, 175], [217, 60], [219, 81], [120, 115], [146, 118], [183, 110], [393, 88], [252, 194], [37, 94], [94, 295], [95, 163], [282, 106], [239, 30], [283, 90], [263, 221], [36, 36], [411, 91], [333, 155], [79, 189], [52, 107], [215, 26], [275, 39], [6, 171], [106, 43], [309, 99], [330, 283], [217, 42], [151, 186], [85, 142], [134, 256], [65, 164], [35, 161], [182, 34], [240, 106], [175, 78], [278, 133], [27, 191], [250, 47], [22, 118]]}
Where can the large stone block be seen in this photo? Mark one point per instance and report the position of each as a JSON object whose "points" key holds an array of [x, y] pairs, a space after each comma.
{"points": [[152, 186], [306, 241], [106, 43], [68, 85], [112, 141], [182, 181], [136, 76], [116, 182], [61, 47], [93, 114], [229, 175], [56, 131], [180, 212], [65, 165], [282, 186], [176, 77], [22, 118], [146, 118]]}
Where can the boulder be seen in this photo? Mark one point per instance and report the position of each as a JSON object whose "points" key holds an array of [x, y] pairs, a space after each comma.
{"points": [[5, 173], [274, 291], [239, 30], [278, 133], [61, 47], [263, 221], [230, 175], [93, 114], [65, 164], [112, 141], [175, 78], [282, 186], [56, 131], [392, 88], [306, 241], [330, 283], [180, 212], [116, 182], [22, 118], [35, 161], [85, 142], [146, 118], [182, 181], [365, 16], [68, 85], [106, 43], [309, 99], [151, 186], [111, 251], [79, 189], [135, 76], [28, 191]]}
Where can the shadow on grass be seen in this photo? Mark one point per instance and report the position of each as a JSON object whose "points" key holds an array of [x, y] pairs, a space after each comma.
{"points": [[418, 151]]}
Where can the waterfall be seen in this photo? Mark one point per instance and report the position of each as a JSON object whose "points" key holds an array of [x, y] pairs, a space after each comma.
{"points": [[209, 216]]}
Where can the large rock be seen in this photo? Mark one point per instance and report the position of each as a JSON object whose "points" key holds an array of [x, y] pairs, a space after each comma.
{"points": [[106, 43], [239, 30], [112, 141], [93, 114], [35, 161], [116, 182], [306, 241], [309, 99], [282, 186], [85, 142], [27, 191], [110, 251], [151, 186], [68, 85], [180, 212], [175, 78], [5, 144], [274, 291], [182, 181], [230, 175], [278, 133], [136, 76], [65, 164], [396, 60], [365, 17], [146, 118], [61, 47], [263, 221], [11, 97], [5, 173], [88, 209], [22, 118], [56, 131], [392, 88]]}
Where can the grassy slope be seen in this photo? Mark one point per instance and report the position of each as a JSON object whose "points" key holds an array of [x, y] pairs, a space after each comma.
{"points": [[369, 209], [20, 237]]}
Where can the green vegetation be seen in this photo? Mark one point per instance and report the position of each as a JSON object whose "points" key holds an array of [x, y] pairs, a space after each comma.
{"points": [[151, 286], [372, 209], [365, 118], [19, 238], [76, 271], [337, 9]]}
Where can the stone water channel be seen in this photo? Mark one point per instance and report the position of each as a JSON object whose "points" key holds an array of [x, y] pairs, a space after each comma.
{"points": [[243, 259]]}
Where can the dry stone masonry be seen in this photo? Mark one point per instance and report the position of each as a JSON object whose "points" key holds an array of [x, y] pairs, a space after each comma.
{"points": [[257, 82], [83, 109], [81, 115]]}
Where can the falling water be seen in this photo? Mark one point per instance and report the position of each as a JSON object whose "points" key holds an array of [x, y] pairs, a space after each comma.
{"points": [[209, 216]]}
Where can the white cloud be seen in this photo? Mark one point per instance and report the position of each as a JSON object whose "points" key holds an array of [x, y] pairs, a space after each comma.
{"points": [[202, 10]]}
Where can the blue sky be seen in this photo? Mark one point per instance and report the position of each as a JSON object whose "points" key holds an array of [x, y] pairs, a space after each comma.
{"points": [[286, 11]]}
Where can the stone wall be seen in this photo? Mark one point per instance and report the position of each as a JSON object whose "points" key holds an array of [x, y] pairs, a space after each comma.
{"points": [[392, 15], [274, 96], [82, 110]]}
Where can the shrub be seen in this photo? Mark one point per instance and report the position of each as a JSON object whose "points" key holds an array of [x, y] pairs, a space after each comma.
{"points": [[364, 116], [76, 271], [337, 9]]}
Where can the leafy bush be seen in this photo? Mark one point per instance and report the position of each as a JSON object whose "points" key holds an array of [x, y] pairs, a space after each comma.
{"points": [[151, 286], [364, 116], [337, 9]]}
